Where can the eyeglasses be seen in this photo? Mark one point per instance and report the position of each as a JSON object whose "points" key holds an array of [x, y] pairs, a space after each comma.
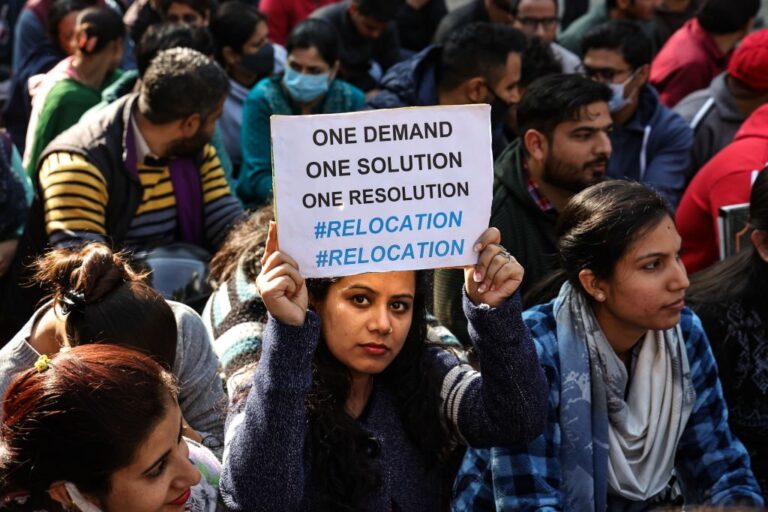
{"points": [[533, 23], [602, 74]]}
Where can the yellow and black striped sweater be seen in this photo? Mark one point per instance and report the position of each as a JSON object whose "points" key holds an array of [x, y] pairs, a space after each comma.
{"points": [[75, 195]]}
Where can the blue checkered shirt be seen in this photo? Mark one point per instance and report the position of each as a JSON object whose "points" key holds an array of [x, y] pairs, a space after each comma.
{"points": [[711, 464]]}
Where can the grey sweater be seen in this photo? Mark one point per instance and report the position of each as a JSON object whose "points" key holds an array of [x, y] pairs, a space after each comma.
{"points": [[265, 460], [196, 368]]}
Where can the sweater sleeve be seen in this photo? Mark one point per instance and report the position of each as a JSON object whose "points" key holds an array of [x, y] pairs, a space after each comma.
{"points": [[264, 456], [507, 403], [519, 476], [201, 397]]}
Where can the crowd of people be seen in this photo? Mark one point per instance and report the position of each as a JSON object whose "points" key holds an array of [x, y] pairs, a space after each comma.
{"points": [[608, 350]]}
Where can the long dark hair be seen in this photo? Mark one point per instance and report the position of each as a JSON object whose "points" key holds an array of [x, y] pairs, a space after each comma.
{"points": [[734, 277], [595, 229], [79, 420], [107, 302], [341, 450]]}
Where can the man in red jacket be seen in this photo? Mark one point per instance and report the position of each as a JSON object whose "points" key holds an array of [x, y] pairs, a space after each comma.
{"points": [[700, 50], [283, 15], [726, 179]]}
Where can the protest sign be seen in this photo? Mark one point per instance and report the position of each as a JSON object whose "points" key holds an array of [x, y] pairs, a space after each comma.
{"points": [[382, 190]]}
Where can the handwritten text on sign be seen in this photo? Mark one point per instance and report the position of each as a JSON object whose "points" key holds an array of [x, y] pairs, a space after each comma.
{"points": [[401, 189]]}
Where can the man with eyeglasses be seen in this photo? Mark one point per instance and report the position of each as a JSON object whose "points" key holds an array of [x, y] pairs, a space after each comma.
{"points": [[539, 18], [651, 143], [641, 12]]}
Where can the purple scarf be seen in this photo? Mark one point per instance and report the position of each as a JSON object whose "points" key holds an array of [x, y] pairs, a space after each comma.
{"points": [[187, 188]]}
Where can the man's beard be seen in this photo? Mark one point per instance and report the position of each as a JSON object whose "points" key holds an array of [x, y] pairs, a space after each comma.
{"points": [[191, 147], [567, 176]]}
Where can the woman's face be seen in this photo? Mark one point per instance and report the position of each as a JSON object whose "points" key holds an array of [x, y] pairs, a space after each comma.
{"points": [[160, 477], [647, 289], [366, 318], [308, 61]]}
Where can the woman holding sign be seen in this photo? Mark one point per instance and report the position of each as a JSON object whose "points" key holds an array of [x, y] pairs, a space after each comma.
{"points": [[350, 409], [308, 86]]}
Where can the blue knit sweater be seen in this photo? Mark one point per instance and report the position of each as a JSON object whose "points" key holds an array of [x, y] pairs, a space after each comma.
{"points": [[266, 466]]}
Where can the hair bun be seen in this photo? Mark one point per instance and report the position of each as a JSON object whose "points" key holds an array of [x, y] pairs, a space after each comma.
{"points": [[92, 272]]}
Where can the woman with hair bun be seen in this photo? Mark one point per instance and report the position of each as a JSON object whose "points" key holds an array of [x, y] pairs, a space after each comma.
{"points": [[98, 428], [637, 418], [97, 298], [75, 84]]}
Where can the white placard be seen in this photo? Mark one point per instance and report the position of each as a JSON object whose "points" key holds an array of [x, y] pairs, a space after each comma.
{"points": [[381, 190]]}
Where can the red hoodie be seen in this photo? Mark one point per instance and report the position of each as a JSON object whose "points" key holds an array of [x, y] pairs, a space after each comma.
{"points": [[283, 15], [726, 179]]}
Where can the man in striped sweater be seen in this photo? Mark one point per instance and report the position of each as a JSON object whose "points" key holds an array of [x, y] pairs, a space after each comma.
{"points": [[141, 173]]}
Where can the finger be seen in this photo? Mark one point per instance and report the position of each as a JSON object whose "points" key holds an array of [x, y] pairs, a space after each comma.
{"points": [[489, 236], [511, 272], [499, 260], [289, 271], [278, 287], [484, 260], [278, 258], [271, 245]]}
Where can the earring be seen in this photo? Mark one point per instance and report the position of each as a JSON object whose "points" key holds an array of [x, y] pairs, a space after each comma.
{"points": [[600, 297]]}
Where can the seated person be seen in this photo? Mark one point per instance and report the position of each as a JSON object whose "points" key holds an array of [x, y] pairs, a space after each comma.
{"points": [[351, 388], [729, 298], [725, 180], [164, 36], [640, 12], [564, 146], [309, 85], [235, 315], [284, 15], [41, 59], [369, 40], [486, 11], [700, 50], [99, 428], [191, 12], [417, 22], [33, 28], [716, 113], [75, 84], [635, 405], [244, 50], [651, 144], [479, 63], [140, 174], [97, 298], [539, 18]]}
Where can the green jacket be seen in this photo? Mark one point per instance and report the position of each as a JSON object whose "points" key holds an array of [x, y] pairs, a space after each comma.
{"points": [[527, 233]]}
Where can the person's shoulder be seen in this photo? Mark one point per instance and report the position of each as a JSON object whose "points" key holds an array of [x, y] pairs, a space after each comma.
{"points": [[332, 13]]}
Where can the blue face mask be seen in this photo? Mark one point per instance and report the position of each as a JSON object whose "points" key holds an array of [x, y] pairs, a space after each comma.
{"points": [[303, 87]]}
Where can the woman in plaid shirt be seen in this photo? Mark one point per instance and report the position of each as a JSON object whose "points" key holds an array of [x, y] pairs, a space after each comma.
{"points": [[636, 415]]}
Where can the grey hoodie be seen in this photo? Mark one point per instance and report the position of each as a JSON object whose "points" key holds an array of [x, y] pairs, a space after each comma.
{"points": [[712, 115]]}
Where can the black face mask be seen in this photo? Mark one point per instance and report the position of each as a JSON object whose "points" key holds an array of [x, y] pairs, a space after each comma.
{"points": [[261, 63], [499, 109]]}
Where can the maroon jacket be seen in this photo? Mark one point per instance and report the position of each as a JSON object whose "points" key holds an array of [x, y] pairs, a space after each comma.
{"points": [[688, 62]]}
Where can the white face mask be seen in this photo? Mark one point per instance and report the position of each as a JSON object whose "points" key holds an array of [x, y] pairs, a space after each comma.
{"points": [[82, 504], [618, 101]]}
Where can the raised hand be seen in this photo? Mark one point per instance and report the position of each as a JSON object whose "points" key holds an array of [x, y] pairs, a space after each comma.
{"points": [[497, 274], [282, 288]]}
